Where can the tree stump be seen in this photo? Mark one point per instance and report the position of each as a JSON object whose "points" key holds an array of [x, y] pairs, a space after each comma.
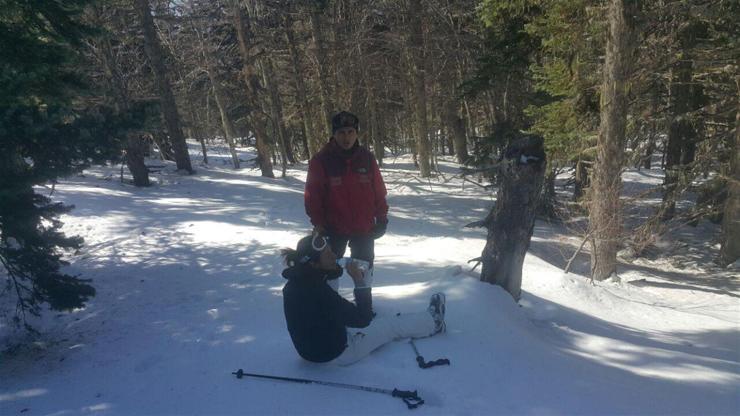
{"points": [[511, 221], [135, 149]]}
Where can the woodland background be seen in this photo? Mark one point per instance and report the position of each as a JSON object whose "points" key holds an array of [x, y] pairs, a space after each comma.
{"points": [[607, 84]]}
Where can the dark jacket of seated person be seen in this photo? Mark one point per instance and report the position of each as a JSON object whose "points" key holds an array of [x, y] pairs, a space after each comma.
{"points": [[316, 315]]}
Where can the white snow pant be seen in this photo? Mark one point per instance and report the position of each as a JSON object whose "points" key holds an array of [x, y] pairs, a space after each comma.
{"points": [[383, 330]]}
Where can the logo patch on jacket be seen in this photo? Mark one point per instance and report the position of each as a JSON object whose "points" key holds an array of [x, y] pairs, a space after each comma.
{"points": [[361, 170], [335, 180]]}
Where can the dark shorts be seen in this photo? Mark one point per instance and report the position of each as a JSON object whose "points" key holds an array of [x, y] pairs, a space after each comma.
{"points": [[362, 247]]}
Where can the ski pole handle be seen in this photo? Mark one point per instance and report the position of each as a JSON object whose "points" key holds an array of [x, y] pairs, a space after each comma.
{"points": [[411, 398], [424, 364]]}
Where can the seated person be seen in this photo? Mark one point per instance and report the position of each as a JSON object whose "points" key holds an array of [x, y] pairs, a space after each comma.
{"points": [[318, 317]]}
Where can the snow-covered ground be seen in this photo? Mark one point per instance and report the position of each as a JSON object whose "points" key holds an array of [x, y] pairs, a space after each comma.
{"points": [[189, 290]]}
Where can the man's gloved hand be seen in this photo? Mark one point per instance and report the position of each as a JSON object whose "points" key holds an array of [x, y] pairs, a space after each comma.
{"points": [[379, 228]]}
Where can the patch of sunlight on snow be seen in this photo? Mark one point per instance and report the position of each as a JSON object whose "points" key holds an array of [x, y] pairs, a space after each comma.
{"points": [[23, 394], [97, 407], [407, 215], [60, 413], [225, 328], [400, 291], [257, 184], [96, 190], [649, 362], [185, 202], [219, 233], [213, 313], [240, 286], [244, 339]]}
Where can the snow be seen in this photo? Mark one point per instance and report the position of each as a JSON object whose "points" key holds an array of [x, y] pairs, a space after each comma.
{"points": [[189, 290]]}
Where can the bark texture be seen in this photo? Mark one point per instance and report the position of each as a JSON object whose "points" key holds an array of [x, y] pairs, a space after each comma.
{"points": [[423, 146], [167, 99], [730, 250], [605, 219], [511, 221], [254, 90]]}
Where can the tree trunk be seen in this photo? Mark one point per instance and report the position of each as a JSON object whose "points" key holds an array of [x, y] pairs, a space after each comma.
{"points": [[195, 128], [375, 135], [605, 218], [548, 200], [226, 122], [321, 63], [135, 160], [419, 68], [167, 99], [276, 104], [220, 95], [730, 250], [134, 146], [282, 148], [685, 97], [511, 222], [647, 157], [456, 126], [582, 180], [254, 90], [311, 143]]}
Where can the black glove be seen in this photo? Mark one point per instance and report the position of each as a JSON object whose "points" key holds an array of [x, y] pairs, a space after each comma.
{"points": [[379, 229]]}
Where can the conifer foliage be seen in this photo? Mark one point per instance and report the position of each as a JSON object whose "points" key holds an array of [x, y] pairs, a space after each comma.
{"points": [[46, 131]]}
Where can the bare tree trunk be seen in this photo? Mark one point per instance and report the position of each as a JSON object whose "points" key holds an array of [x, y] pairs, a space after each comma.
{"points": [[254, 90], [276, 115], [167, 99], [322, 63], [605, 219], [685, 97], [647, 157], [134, 148], [311, 144], [419, 65], [226, 122], [582, 181], [377, 136], [511, 222], [456, 126], [730, 250], [277, 110], [198, 133], [220, 96], [548, 199]]}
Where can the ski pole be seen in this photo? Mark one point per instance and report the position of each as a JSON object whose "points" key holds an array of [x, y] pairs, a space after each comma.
{"points": [[411, 398], [429, 364]]}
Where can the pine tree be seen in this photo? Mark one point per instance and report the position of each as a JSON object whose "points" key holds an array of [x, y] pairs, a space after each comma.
{"points": [[46, 132]]}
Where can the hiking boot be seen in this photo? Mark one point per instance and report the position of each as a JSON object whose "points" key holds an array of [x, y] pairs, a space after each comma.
{"points": [[437, 310]]}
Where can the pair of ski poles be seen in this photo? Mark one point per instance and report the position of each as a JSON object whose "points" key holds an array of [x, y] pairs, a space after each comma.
{"points": [[411, 398]]}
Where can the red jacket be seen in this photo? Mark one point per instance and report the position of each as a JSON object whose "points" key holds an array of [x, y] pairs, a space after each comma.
{"points": [[344, 190]]}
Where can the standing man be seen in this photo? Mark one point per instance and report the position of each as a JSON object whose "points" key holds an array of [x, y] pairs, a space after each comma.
{"points": [[345, 194]]}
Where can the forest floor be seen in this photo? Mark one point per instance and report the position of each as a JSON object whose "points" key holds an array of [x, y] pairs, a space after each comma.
{"points": [[188, 285]]}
